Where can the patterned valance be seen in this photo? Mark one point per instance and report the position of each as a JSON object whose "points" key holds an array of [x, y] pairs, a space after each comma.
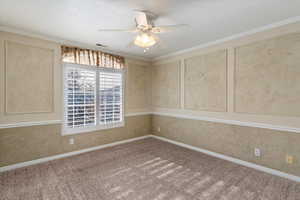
{"points": [[91, 57]]}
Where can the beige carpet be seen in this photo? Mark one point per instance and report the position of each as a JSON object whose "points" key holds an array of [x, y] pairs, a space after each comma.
{"points": [[145, 169]]}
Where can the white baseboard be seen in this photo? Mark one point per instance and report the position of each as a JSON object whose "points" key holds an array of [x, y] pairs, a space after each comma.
{"points": [[221, 156], [234, 160], [46, 159]]}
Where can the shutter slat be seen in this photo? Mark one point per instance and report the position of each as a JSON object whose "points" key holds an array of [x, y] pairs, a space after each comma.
{"points": [[110, 95], [93, 97], [80, 97]]}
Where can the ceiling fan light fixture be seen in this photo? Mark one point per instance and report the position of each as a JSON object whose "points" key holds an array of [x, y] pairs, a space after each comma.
{"points": [[144, 40]]}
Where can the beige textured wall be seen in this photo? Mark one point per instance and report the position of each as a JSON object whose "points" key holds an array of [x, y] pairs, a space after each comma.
{"points": [[234, 141], [32, 82], [30, 79], [33, 142], [257, 82], [168, 89], [28, 76], [263, 87], [166, 85], [205, 82], [138, 87], [267, 76], [31, 68]]}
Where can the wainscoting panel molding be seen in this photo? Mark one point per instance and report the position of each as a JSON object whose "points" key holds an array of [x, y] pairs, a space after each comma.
{"points": [[30, 79], [233, 122], [37, 123], [166, 85], [267, 77], [36, 92], [205, 82]]}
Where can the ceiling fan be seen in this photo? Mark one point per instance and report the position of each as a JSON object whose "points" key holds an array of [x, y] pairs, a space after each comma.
{"points": [[146, 30]]}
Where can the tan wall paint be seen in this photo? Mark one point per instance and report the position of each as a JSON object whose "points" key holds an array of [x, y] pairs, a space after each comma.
{"points": [[166, 85], [27, 76], [205, 82], [267, 76], [30, 79], [284, 107], [138, 87], [33, 142], [45, 83], [230, 140], [234, 141], [266, 68]]}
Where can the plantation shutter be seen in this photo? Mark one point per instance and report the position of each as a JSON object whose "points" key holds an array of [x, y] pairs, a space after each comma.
{"points": [[93, 98], [110, 97], [80, 94]]}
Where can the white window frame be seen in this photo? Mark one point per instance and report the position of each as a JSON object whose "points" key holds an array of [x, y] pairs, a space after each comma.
{"points": [[70, 131]]}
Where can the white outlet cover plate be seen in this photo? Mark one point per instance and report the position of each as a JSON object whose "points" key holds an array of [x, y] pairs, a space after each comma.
{"points": [[71, 140], [257, 152]]}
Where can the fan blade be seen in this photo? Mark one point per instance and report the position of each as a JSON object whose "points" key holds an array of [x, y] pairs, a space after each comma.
{"points": [[101, 45], [130, 45], [160, 44], [141, 19], [167, 28], [156, 38], [119, 30]]}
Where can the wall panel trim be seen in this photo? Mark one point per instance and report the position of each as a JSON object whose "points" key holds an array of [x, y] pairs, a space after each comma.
{"points": [[233, 122], [49, 110], [137, 114], [68, 42], [169, 114], [36, 123]]}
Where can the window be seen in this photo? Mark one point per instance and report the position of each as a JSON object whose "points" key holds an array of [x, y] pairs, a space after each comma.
{"points": [[93, 98]]}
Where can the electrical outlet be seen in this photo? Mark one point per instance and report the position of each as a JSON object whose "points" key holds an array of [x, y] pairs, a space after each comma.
{"points": [[257, 152], [158, 129], [289, 159], [71, 141]]}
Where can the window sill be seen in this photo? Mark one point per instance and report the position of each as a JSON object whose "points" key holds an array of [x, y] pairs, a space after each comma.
{"points": [[70, 131]]}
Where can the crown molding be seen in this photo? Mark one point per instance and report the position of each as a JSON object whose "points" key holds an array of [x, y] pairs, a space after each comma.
{"points": [[232, 37], [159, 58], [129, 61], [69, 42]]}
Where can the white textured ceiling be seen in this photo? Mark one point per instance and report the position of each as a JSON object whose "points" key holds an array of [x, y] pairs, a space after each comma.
{"points": [[79, 20]]}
